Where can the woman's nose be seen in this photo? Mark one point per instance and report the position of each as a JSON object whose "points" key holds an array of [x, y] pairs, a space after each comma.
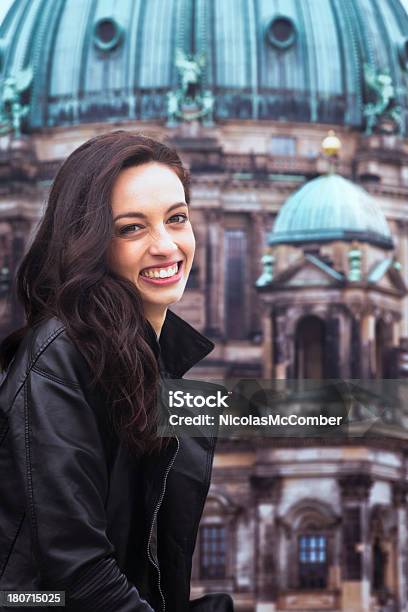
{"points": [[162, 243]]}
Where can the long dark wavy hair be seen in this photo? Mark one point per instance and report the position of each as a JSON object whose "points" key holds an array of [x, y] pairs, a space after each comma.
{"points": [[65, 275]]}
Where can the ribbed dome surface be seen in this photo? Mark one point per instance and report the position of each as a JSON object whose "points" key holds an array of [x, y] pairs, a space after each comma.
{"points": [[331, 208], [294, 60]]}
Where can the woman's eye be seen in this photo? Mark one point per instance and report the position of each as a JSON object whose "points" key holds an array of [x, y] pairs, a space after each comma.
{"points": [[129, 229], [134, 228], [180, 218]]}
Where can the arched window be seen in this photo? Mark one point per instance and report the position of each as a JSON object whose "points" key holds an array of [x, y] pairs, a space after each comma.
{"points": [[312, 560], [213, 556], [309, 347], [312, 540], [213, 551]]}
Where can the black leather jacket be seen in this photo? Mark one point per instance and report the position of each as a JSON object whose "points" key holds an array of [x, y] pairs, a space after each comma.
{"points": [[77, 513]]}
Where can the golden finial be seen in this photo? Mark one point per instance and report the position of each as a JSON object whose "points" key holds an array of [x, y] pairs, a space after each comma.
{"points": [[331, 145]]}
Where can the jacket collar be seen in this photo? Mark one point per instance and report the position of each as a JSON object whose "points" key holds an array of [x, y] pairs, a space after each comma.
{"points": [[180, 346]]}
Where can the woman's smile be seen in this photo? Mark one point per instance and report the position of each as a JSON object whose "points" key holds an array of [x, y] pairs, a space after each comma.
{"points": [[163, 275]]}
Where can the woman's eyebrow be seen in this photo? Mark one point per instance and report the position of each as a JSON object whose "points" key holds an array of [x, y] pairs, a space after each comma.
{"points": [[143, 216]]}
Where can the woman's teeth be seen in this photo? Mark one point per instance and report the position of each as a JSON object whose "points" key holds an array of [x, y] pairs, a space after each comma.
{"points": [[160, 272]]}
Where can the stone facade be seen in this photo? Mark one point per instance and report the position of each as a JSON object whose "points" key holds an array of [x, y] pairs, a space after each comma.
{"points": [[275, 498], [273, 503]]}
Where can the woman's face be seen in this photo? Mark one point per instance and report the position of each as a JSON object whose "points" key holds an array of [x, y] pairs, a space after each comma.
{"points": [[153, 243]]}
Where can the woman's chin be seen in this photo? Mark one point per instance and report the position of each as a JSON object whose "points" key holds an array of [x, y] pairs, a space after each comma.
{"points": [[158, 303], [163, 296]]}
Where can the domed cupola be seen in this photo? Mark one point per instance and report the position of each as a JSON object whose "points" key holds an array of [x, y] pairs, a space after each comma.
{"points": [[335, 62], [331, 208], [331, 287]]}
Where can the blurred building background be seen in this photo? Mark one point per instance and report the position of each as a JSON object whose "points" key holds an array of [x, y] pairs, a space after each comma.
{"points": [[302, 260]]}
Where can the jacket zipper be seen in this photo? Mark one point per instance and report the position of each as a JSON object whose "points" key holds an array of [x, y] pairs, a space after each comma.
{"points": [[156, 510]]}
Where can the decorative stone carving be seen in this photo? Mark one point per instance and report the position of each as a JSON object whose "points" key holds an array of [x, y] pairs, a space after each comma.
{"points": [[190, 102], [400, 494], [381, 110], [266, 277], [355, 487], [266, 488], [12, 111]]}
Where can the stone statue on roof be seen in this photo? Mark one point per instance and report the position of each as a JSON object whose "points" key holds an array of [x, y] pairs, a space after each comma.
{"points": [[190, 102], [382, 112], [190, 68], [12, 111]]}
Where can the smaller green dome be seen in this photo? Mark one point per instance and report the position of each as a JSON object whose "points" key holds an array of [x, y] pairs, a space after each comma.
{"points": [[331, 208]]}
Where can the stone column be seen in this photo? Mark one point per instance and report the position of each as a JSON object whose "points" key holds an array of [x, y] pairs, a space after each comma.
{"points": [[255, 267], [213, 283], [396, 324], [356, 571], [280, 356], [267, 494], [400, 499], [403, 257], [392, 320], [368, 345], [267, 345]]}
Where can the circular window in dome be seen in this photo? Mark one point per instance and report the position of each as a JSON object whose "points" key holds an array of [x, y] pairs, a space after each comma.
{"points": [[403, 53], [107, 34], [281, 32]]}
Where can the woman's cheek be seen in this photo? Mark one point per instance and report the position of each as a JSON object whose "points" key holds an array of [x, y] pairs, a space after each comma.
{"points": [[120, 258], [192, 244]]}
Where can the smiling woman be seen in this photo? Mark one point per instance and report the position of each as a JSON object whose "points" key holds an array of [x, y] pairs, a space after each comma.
{"points": [[154, 242], [92, 501]]}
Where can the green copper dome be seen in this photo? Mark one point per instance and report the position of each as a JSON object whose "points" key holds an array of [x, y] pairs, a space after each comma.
{"points": [[292, 60], [331, 208]]}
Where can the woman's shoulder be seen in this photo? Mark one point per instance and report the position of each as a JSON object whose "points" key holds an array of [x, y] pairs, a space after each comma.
{"points": [[41, 336], [45, 349], [50, 346]]}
